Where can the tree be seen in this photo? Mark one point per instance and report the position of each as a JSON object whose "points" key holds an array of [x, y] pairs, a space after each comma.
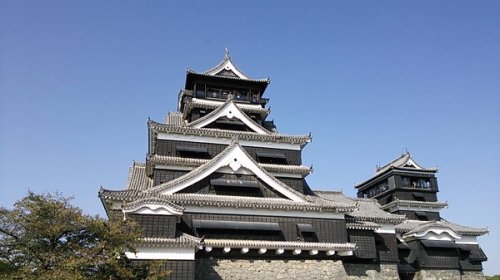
{"points": [[45, 237]]}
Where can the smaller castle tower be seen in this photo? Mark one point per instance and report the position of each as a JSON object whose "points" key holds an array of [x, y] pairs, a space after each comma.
{"points": [[428, 245]]}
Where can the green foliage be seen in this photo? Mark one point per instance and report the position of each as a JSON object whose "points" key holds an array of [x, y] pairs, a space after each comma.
{"points": [[494, 277], [45, 237]]}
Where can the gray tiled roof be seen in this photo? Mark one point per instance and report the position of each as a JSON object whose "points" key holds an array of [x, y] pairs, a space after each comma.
{"points": [[189, 71], [367, 209], [137, 179], [243, 135], [413, 203], [195, 162], [175, 118], [359, 225], [336, 196], [220, 67], [183, 199], [278, 244], [211, 104], [400, 163], [185, 240], [413, 226]]}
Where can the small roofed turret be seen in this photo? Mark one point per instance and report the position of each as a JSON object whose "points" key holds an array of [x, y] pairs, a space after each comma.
{"points": [[205, 91], [404, 187], [225, 73]]}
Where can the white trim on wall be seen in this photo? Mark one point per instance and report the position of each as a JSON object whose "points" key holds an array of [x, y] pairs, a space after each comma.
{"points": [[227, 141], [159, 253]]}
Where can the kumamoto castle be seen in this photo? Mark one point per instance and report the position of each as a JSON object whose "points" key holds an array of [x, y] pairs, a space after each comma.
{"points": [[223, 195]]}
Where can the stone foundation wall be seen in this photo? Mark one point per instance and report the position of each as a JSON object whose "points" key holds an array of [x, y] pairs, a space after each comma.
{"points": [[438, 274], [355, 271], [291, 269], [473, 275]]}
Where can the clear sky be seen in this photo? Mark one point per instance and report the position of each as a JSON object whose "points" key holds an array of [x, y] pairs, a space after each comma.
{"points": [[368, 79]]}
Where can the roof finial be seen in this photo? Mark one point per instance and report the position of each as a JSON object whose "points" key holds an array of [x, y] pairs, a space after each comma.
{"points": [[226, 55]]}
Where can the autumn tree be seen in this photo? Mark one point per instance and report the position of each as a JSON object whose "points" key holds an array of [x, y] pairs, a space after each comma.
{"points": [[45, 237]]}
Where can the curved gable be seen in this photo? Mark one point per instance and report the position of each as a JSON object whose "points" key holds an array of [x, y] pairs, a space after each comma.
{"points": [[229, 110], [236, 158]]}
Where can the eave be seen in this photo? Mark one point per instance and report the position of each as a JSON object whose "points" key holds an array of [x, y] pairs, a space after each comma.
{"points": [[188, 105], [194, 162], [219, 133]]}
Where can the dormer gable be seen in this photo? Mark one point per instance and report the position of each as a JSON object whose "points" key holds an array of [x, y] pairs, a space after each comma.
{"points": [[404, 161], [230, 111], [226, 68], [225, 75], [233, 159]]}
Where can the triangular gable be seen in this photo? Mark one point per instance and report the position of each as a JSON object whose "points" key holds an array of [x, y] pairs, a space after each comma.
{"points": [[226, 68], [236, 158], [410, 163], [229, 110], [404, 161]]}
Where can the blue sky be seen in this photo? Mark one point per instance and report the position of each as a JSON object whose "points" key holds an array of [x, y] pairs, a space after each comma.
{"points": [[368, 79]]}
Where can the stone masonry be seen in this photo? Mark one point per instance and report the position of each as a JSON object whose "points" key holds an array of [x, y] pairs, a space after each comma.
{"points": [[213, 269], [441, 274]]}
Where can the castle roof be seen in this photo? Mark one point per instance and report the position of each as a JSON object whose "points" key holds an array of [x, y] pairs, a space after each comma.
{"points": [[232, 155], [214, 104], [227, 69], [410, 227], [184, 240], [221, 133], [405, 161], [183, 199], [230, 110], [414, 203], [287, 245], [137, 179], [367, 210], [235, 157], [227, 72], [195, 162]]}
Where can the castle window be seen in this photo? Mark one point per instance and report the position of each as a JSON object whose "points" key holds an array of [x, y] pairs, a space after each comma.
{"points": [[271, 158], [378, 189], [236, 187], [192, 152], [307, 233], [416, 183], [421, 216], [418, 197], [241, 95], [238, 230], [200, 91], [213, 93], [226, 93]]}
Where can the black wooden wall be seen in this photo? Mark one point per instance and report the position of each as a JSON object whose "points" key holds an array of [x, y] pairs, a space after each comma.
{"points": [[156, 225], [326, 230], [365, 243], [387, 247], [168, 148], [163, 175]]}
